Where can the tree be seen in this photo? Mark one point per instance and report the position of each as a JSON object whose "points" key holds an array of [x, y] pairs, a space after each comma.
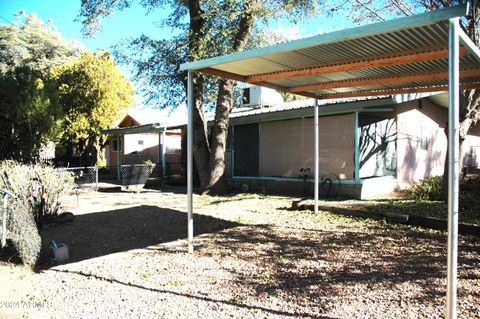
{"points": [[93, 94], [29, 49], [206, 28], [374, 10]]}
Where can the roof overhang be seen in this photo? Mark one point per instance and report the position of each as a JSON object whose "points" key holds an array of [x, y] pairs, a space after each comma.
{"points": [[139, 129], [402, 56]]}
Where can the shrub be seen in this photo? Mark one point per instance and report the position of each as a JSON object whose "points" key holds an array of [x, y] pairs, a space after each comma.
{"points": [[469, 200], [429, 188], [39, 187], [22, 231]]}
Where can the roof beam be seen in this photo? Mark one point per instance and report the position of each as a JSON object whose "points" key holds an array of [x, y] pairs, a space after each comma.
{"points": [[224, 74], [466, 41], [354, 66], [236, 77], [382, 81], [437, 88]]}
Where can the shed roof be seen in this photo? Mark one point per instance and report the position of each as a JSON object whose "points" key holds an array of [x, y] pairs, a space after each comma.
{"points": [[405, 55]]}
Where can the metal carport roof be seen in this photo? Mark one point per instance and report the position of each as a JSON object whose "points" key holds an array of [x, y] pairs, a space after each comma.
{"points": [[421, 53], [399, 56]]}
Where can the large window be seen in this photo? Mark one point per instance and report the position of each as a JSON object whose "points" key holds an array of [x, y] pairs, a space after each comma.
{"points": [[378, 145]]}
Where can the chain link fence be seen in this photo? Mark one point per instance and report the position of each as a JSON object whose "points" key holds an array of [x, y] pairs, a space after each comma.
{"points": [[85, 176], [136, 175], [8, 201], [124, 175]]}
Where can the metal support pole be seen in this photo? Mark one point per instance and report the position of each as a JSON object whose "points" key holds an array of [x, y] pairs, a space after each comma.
{"points": [[5, 215], [164, 151], [190, 161], [159, 150], [316, 160], [232, 154], [119, 153], [96, 178], [453, 166], [4, 220], [357, 151]]}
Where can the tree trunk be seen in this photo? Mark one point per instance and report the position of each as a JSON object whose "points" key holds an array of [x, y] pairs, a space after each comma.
{"points": [[217, 182], [201, 147]]}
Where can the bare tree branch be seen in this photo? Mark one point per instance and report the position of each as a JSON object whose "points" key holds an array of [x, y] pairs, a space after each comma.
{"points": [[375, 13]]}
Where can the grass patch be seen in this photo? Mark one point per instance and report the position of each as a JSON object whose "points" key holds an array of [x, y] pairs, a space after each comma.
{"points": [[424, 199]]}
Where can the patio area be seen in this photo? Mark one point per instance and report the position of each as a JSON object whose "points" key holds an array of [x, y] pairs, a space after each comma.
{"points": [[254, 258]]}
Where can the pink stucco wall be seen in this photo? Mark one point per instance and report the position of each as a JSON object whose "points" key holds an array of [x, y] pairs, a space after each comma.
{"points": [[422, 143]]}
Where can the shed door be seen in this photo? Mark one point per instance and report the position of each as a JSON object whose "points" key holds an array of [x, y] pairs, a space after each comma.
{"points": [[245, 141]]}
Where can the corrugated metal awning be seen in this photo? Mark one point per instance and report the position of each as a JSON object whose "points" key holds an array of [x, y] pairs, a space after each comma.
{"points": [[400, 56]]}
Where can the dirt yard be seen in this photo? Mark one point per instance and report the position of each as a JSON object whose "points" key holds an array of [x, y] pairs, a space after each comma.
{"points": [[254, 258]]}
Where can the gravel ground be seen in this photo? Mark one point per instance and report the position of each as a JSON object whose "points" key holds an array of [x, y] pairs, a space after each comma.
{"points": [[254, 258]]}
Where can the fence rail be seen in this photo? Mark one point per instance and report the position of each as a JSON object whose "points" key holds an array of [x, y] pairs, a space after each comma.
{"points": [[5, 212], [85, 175], [133, 174]]}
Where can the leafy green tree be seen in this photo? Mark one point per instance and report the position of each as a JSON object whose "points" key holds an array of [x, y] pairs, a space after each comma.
{"points": [[203, 28], [28, 41], [28, 116], [28, 51], [93, 94]]}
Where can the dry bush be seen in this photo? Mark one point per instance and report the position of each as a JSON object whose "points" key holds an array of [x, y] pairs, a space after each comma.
{"points": [[38, 186], [22, 232], [39, 191]]}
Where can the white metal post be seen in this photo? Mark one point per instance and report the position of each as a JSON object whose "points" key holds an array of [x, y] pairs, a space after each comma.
{"points": [[119, 160], [190, 161], [316, 160], [356, 153], [96, 177], [164, 152], [453, 166]]}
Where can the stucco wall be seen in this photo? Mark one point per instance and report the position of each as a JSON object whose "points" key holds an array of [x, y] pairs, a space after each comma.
{"points": [[421, 143], [133, 153], [287, 146], [422, 121]]}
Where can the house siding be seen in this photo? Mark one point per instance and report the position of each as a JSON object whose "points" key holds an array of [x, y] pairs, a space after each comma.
{"points": [[421, 143], [417, 149], [132, 154], [287, 146]]}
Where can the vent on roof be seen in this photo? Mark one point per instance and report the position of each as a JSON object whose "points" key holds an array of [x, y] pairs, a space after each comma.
{"points": [[257, 97]]}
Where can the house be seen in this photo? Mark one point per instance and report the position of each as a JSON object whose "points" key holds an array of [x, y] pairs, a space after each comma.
{"points": [[367, 146], [139, 139]]}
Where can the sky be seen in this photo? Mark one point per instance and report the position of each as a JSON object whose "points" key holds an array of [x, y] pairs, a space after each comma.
{"points": [[122, 24], [130, 23]]}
